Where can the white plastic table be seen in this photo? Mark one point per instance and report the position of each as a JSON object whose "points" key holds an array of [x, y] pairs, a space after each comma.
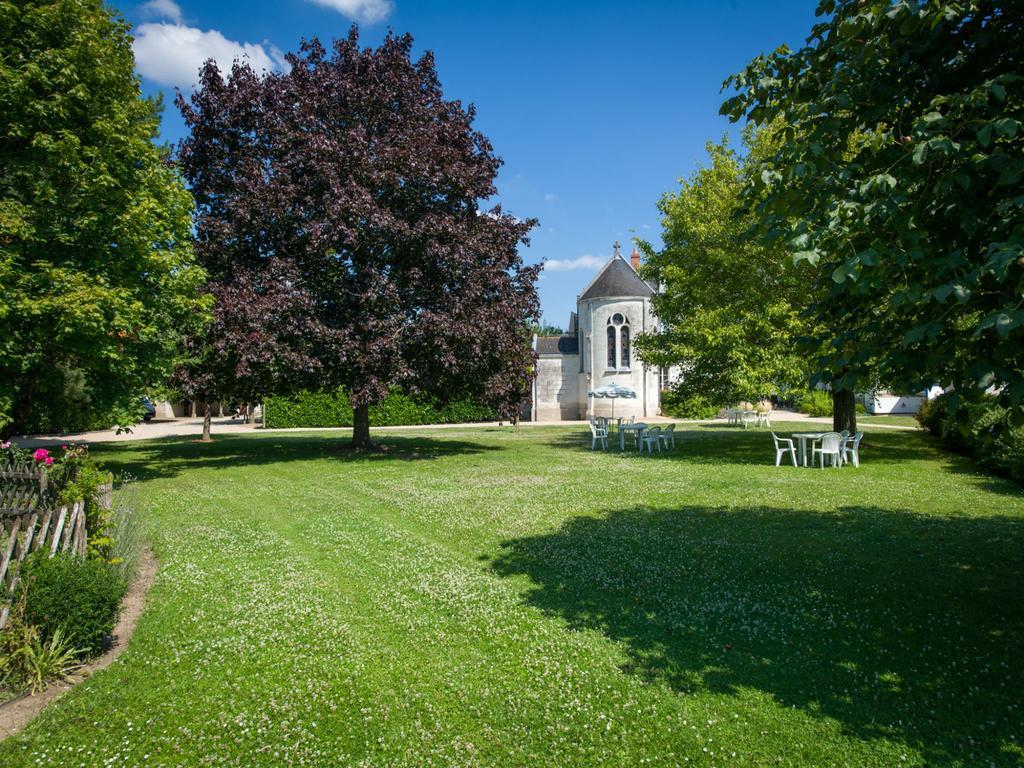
{"points": [[624, 428], [803, 437]]}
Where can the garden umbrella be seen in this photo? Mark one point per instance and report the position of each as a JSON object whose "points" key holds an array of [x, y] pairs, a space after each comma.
{"points": [[613, 392]]}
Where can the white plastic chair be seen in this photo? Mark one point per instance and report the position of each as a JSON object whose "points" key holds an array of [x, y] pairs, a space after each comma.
{"points": [[731, 415], [851, 448], [748, 418], [832, 446], [764, 418], [668, 436], [844, 436], [652, 439], [782, 445], [598, 434]]}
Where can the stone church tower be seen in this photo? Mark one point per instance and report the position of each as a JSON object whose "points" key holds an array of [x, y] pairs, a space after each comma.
{"points": [[597, 350]]}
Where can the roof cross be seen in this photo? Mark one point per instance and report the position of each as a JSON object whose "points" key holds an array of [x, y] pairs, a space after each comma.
{"points": [[616, 246]]}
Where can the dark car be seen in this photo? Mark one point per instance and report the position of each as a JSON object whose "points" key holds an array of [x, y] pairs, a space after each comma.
{"points": [[148, 409]]}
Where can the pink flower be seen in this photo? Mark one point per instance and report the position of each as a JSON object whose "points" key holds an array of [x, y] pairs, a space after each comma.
{"points": [[42, 454], [4, 446], [49, 460]]}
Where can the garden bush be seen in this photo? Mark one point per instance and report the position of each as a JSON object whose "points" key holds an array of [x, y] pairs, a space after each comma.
{"points": [[679, 406], [75, 477], [814, 402], [78, 597], [27, 662], [333, 409], [977, 429]]}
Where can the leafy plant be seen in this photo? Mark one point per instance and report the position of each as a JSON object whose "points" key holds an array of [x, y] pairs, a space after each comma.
{"points": [[78, 597], [334, 409], [83, 480], [43, 660], [815, 402], [125, 530], [29, 661], [979, 429], [680, 406]]}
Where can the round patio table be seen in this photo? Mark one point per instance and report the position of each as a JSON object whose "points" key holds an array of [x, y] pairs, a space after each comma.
{"points": [[803, 437]]}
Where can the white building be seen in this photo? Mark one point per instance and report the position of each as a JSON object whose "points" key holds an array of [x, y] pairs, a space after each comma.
{"points": [[597, 350]]}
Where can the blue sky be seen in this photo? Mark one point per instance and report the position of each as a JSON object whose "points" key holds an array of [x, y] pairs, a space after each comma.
{"points": [[597, 108]]}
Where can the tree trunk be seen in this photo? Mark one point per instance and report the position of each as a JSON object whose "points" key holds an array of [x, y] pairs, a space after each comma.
{"points": [[844, 411], [192, 409], [206, 423], [361, 426]]}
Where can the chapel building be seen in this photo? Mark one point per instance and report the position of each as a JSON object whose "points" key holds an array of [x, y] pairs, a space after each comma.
{"points": [[597, 350]]}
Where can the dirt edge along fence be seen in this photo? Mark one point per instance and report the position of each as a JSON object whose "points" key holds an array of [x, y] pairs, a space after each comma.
{"points": [[32, 520]]}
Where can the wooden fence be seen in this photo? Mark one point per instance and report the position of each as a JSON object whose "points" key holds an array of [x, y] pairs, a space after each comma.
{"points": [[31, 520]]}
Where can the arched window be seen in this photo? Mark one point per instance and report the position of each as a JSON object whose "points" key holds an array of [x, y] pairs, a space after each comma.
{"points": [[618, 341]]}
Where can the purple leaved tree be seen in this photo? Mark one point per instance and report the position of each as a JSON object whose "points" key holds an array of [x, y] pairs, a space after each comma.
{"points": [[264, 337], [354, 171]]}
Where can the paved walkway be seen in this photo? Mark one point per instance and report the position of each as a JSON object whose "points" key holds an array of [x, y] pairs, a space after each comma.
{"points": [[186, 427]]}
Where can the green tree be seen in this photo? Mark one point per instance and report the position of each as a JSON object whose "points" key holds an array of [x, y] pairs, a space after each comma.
{"points": [[731, 309], [901, 179], [546, 329], [96, 266]]}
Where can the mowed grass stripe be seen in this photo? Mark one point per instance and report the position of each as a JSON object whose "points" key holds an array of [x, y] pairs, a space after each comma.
{"points": [[474, 597]]}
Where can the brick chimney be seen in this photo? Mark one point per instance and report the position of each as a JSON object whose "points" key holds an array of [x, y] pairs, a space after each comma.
{"points": [[634, 258]]}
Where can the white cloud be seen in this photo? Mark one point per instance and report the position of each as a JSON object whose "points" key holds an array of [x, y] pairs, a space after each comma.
{"points": [[549, 197], [162, 9], [582, 262], [171, 54], [367, 11]]}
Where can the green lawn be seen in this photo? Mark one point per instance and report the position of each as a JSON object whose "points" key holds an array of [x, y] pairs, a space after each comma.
{"points": [[893, 421], [479, 598]]}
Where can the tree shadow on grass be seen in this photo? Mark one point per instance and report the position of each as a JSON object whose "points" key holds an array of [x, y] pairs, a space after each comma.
{"points": [[898, 626], [170, 456]]}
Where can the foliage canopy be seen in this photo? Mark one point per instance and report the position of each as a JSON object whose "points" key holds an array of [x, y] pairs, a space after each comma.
{"points": [[901, 179], [731, 308], [354, 172], [96, 264]]}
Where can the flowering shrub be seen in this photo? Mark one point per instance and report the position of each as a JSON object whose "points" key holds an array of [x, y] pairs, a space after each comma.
{"points": [[74, 476]]}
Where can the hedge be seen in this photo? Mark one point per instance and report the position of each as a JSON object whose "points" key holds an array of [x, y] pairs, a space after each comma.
{"points": [[333, 409], [79, 597], [969, 428], [678, 406]]}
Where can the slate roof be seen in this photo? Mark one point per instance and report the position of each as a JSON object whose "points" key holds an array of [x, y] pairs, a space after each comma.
{"points": [[617, 278], [558, 345]]}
